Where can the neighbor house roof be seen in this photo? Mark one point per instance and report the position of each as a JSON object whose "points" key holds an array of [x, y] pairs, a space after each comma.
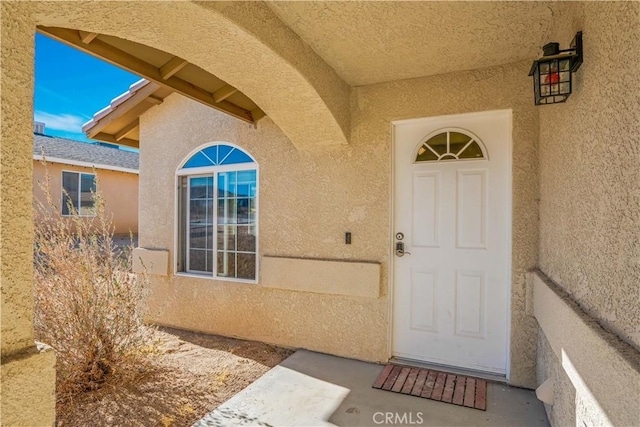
{"points": [[68, 151]]}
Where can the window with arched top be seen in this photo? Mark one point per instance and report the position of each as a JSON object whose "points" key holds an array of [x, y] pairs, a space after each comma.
{"points": [[217, 213], [451, 145]]}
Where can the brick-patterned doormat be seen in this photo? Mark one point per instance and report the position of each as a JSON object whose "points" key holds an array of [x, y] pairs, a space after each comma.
{"points": [[435, 385]]}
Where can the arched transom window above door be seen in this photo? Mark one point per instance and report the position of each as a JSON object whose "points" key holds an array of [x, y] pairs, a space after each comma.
{"points": [[451, 145]]}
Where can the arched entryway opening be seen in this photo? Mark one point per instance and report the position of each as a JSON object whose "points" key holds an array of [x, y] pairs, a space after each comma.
{"points": [[245, 45]]}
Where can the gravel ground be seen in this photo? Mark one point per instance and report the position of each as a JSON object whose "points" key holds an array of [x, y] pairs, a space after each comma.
{"points": [[195, 373]]}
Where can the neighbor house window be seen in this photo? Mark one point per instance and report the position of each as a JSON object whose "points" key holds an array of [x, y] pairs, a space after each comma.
{"points": [[217, 213], [78, 190]]}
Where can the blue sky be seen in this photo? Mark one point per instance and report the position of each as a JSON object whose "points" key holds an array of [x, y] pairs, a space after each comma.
{"points": [[71, 86]]}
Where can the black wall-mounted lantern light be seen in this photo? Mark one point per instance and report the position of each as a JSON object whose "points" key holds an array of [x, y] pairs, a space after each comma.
{"points": [[552, 80]]}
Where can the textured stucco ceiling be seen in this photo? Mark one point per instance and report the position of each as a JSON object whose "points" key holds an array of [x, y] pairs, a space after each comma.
{"points": [[372, 42]]}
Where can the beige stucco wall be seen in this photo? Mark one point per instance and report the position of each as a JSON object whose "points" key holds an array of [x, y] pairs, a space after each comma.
{"points": [[358, 279], [309, 198], [596, 377], [28, 392], [120, 191], [306, 205], [15, 174], [590, 216], [562, 412], [590, 174], [26, 376]]}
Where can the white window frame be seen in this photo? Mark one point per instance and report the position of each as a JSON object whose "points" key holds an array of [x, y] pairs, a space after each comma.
{"points": [[63, 193], [187, 235], [207, 171]]}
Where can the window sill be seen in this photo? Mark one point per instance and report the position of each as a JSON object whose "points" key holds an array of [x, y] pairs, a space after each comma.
{"points": [[216, 279]]}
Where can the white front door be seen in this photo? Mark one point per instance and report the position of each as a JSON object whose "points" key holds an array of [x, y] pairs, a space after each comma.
{"points": [[452, 208]]}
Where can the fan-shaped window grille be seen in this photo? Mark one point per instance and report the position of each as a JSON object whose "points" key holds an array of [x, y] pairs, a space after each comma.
{"points": [[450, 145], [217, 155]]}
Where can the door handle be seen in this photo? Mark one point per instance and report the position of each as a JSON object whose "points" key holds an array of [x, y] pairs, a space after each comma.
{"points": [[400, 250]]}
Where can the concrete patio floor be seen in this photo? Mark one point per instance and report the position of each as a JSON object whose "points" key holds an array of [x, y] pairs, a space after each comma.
{"points": [[313, 389]]}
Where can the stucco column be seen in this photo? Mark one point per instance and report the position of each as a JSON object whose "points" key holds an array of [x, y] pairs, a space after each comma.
{"points": [[28, 376]]}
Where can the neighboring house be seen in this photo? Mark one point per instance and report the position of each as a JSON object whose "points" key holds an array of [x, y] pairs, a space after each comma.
{"points": [[74, 167], [402, 198]]}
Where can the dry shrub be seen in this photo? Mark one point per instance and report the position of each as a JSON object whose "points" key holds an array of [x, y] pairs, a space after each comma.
{"points": [[88, 304]]}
